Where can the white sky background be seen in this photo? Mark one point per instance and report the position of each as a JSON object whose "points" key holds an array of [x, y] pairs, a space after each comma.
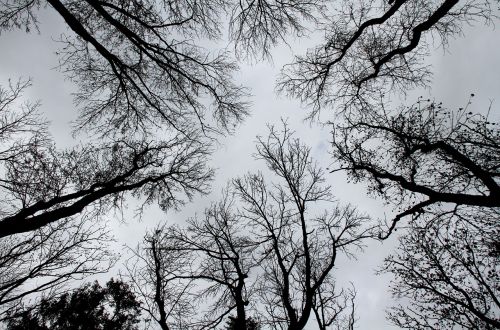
{"points": [[470, 65]]}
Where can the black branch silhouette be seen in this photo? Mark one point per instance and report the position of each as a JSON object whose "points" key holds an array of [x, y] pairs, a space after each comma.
{"points": [[41, 185], [139, 67], [423, 156], [448, 265], [374, 48]]}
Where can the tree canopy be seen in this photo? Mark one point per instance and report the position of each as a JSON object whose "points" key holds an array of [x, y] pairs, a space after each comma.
{"points": [[261, 253], [88, 307], [156, 88]]}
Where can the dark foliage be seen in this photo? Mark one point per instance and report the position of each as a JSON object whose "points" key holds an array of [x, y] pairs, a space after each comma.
{"points": [[89, 307], [42, 261], [251, 324]]}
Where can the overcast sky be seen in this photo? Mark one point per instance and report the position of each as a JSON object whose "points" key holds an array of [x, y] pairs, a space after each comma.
{"points": [[469, 66]]}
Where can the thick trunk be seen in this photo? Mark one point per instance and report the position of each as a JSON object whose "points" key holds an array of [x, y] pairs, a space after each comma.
{"points": [[240, 323]]}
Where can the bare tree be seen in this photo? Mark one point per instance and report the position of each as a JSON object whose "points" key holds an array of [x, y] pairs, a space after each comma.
{"points": [[42, 261], [258, 25], [448, 268], [139, 70], [41, 184], [223, 253], [375, 47], [43, 243], [207, 261], [53, 185], [263, 248], [334, 310], [299, 249], [423, 155], [138, 64], [153, 271]]}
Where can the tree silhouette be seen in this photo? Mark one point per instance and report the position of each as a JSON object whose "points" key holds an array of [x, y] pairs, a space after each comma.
{"points": [[257, 26], [223, 256], [298, 247], [423, 156], [424, 159], [88, 307], [260, 250], [208, 260], [43, 261], [141, 70], [153, 272], [41, 184], [374, 48], [138, 65], [448, 268]]}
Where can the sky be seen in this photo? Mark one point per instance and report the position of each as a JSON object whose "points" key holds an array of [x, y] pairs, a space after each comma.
{"points": [[468, 65]]}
